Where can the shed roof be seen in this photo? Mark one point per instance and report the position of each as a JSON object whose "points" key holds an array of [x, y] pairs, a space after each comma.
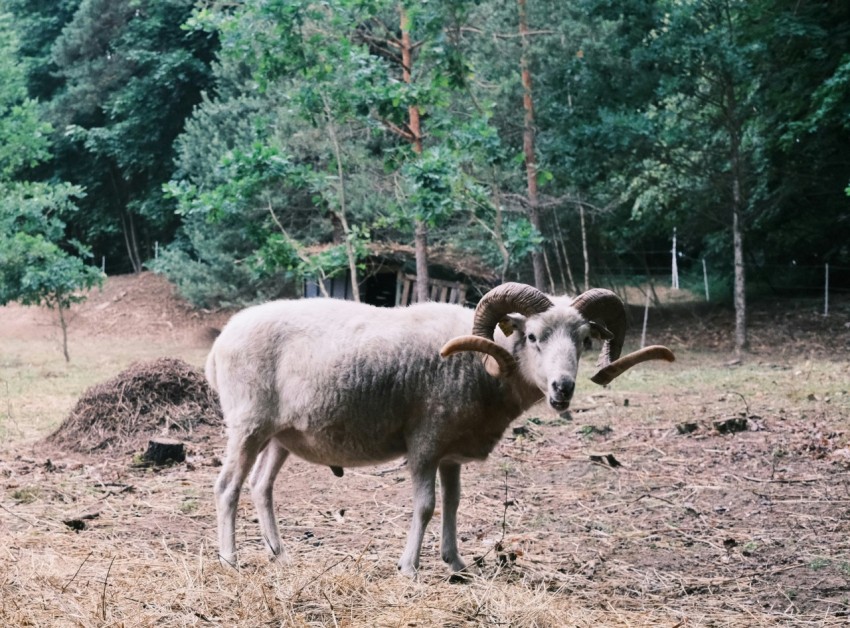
{"points": [[446, 257]]}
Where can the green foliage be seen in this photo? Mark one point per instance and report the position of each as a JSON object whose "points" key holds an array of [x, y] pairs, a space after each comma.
{"points": [[129, 78], [258, 127], [321, 94], [521, 237], [39, 264], [207, 266], [23, 135], [36, 271]]}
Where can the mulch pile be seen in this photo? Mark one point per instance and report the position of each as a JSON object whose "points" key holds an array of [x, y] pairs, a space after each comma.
{"points": [[162, 397]]}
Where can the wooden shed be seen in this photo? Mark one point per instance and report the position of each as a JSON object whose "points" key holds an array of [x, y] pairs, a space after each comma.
{"points": [[389, 278]]}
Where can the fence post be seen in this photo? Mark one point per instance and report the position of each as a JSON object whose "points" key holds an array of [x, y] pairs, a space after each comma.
{"points": [[645, 317], [103, 264], [826, 291], [675, 265], [705, 279]]}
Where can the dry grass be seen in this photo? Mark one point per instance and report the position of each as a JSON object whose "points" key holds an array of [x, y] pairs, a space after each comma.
{"points": [[696, 529]]}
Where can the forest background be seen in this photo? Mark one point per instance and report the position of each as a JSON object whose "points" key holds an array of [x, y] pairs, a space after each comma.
{"points": [[243, 147]]}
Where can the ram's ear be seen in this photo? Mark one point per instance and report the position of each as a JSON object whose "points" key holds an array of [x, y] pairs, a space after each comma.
{"points": [[511, 323], [599, 331]]}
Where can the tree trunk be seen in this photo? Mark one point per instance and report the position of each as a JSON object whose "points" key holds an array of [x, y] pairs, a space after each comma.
{"points": [[584, 248], [740, 292], [561, 241], [129, 229], [548, 272], [162, 451], [340, 214], [63, 324], [528, 144], [741, 342], [499, 236], [420, 237]]}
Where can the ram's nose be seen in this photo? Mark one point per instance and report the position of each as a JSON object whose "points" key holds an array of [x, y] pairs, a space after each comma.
{"points": [[561, 393]]}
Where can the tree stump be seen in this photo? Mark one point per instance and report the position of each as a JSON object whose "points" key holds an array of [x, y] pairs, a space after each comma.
{"points": [[164, 451]]}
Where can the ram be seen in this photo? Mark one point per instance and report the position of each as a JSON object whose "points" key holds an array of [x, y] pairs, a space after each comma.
{"points": [[344, 384]]}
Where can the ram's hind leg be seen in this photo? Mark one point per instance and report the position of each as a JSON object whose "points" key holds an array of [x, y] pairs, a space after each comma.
{"points": [[262, 492], [450, 486], [242, 451]]}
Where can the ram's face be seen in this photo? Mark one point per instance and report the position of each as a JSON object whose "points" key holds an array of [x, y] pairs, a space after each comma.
{"points": [[546, 336], [548, 347]]}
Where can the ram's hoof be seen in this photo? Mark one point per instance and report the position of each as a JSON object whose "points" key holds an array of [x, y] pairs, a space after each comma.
{"points": [[408, 571]]}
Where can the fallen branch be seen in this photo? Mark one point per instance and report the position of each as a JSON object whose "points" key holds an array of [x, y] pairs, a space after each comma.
{"points": [[76, 572]]}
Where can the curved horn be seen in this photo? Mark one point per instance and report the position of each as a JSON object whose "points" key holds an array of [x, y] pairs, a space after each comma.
{"points": [[507, 363], [493, 307], [605, 307], [618, 367], [503, 300]]}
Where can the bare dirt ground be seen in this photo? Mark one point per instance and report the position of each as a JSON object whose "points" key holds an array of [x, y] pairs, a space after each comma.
{"points": [[646, 509]]}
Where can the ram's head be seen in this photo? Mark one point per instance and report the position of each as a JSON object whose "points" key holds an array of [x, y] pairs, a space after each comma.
{"points": [[546, 337]]}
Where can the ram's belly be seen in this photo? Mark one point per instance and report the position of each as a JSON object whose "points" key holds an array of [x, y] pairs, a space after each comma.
{"points": [[338, 446]]}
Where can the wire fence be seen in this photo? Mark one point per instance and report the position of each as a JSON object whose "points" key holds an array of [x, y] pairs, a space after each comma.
{"points": [[823, 285], [681, 278]]}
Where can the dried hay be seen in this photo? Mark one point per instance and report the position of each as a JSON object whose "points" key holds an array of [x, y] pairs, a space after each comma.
{"points": [[693, 529], [164, 396]]}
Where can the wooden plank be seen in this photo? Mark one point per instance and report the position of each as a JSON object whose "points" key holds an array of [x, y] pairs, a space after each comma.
{"points": [[405, 293], [438, 290], [399, 283]]}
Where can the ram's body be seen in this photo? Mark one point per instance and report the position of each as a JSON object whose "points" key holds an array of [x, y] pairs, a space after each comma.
{"points": [[344, 384]]}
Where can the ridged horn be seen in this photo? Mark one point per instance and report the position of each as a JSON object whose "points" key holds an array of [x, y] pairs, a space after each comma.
{"points": [[507, 363], [616, 368], [503, 300], [606, 308], [494, 306]]}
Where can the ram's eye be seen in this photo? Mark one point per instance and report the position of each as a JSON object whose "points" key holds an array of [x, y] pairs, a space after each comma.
{"points": [[532, 338]]}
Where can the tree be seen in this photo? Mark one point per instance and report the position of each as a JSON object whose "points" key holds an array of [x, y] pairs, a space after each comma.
{"points": [[528, 141], [39, 265], [278, 166], [804, 100], [710, 93], [334, 102], [426, 55], [414, 130], [35, 271], [38, 24], [129, 78], [329, 124]]}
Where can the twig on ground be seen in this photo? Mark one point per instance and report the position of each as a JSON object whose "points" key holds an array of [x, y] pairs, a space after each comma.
{"points": [[298, 591], [76, 572], [14, 514], [779, 480], [330, 604], [103, 593]]}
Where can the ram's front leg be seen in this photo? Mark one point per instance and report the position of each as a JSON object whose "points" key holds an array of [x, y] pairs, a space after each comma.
{"points": [[450, 484], [424, 478]]}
